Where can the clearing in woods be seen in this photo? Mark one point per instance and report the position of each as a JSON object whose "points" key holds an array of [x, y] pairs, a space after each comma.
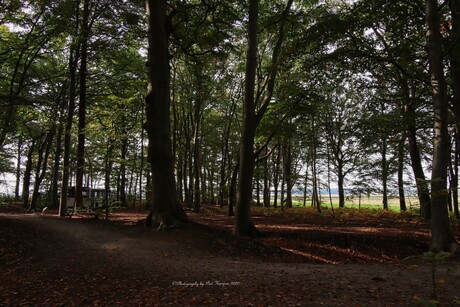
{"points": [[302, 259]]}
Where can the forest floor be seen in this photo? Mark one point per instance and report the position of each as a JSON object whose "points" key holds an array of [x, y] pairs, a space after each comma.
{"points": [[302, 259]]}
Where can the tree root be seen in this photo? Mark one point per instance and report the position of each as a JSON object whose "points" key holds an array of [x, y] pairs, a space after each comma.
{"points": [[163, 221]]}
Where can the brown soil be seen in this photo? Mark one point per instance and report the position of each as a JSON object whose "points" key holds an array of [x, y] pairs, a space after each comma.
{"points": [[301, 260]]}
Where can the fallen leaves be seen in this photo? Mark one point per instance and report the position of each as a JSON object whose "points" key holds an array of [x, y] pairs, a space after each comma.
{"points": [[50, 263]]}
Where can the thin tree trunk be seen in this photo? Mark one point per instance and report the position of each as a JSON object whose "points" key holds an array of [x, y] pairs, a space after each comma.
{"points": [[42, 163], [243, 222], [455, 171], [276, 176], [287, 172], [340, 184], [329, 178], [197, 163], [53, 200], [197, 156], [73, 62], [225, 155], [257, 179], [414, 153], [455, 75], [266, 188], [384, 174], [402, 198], [124, 151], [232, 191], [28, 175], [305, 186], [108, 173], [442, 238], [314, 194], [454, 56], [18, 168], [82, 106], [141, 170]]}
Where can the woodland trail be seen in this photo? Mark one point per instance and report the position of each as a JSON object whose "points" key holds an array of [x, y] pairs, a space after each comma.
{"points": [[90, 262]]}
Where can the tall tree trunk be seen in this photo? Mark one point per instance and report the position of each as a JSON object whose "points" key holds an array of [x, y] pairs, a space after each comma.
{"points": [[287, 171], [232, 190], [266, 187], [42, 163], [454, 57], [124, 151], [243, 222], [197, 154], [225, 153], [402, 197], [180, 177], [18, 167], [384, 174], [82, 106], [54, 188], [165, 209], [108, 173], [455, 171], [73, 63], [340, 183], [416, 162], [141, 167], [257, 179], [276, 176], [442, 238], [53, 200], [314, 176], [28, 175], [329, 177]]}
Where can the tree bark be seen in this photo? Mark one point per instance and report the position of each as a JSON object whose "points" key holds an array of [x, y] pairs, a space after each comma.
{"points": [[18, 167], [454, 56], [442, 238], [384, 174], [340, 183], [165, 209], [276, 176], [232, 190], [124, 151], [455, 171], [27, 175], [82, 107], [314, 176], [42, 163], [197, 151], [73, 62], [287, 171], [53, 198], [417, 167], [243, 222], [266, 187], [402, 198]]}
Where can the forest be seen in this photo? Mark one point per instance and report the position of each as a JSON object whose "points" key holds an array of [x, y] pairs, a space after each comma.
{"points": [[171, 109], [253, 126]]}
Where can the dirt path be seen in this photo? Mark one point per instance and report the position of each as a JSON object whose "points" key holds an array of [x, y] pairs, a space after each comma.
{"points": [[50, 261]]}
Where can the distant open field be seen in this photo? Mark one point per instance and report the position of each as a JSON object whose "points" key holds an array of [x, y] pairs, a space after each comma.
{"points": [[372, 202]]}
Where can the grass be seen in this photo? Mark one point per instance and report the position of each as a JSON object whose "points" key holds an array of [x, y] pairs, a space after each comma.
{"points": [[374, 202]]}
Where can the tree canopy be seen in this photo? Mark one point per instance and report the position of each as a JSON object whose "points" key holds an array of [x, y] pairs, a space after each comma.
{"points": [[282, 100]]}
